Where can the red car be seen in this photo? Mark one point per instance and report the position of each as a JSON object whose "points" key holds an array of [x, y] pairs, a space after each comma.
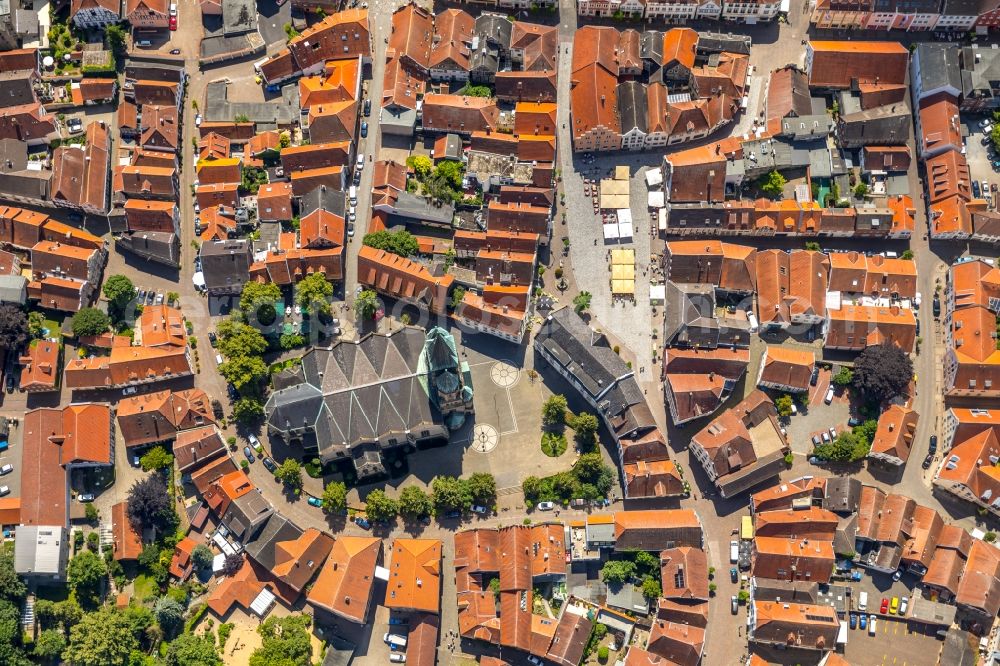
{"points": [[173, 22], [885, 606]]}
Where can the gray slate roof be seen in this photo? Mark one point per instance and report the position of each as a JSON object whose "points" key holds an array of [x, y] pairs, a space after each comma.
{"points": [[938, 66], [632, 106], [159, 246]]}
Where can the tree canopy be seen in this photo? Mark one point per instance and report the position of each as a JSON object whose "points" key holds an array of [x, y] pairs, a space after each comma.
{"points": [[772, 183], [202, 556], [554, 410], [119, 291], [400, 242], [155, 459], [243, 371], [239, 339], [102, 638], [414, 503], [289, 472], [150, 505], [881, 372], [193, 650], [85, 573], [88, 321], [451, 494], [257, 301], [366, 304], [334, 497], [421, 165], [847, 447], [379, 507], [581, 302], [482, 487], [169, 614], [286, 642], [616, 572], [314, 292]]}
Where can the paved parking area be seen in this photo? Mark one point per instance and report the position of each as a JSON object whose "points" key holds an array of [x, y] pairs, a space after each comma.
{"points": [[817, 416], [895, 643], [12, 456]]}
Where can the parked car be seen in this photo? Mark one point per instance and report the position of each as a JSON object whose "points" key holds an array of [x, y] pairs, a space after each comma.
{"points": [[364, 129], [545, 506], [816, 440], [248, 453], [825, 435], [397, 658], [897, 574], [894, 606], [217, 409], [173, 23], [871, 625], [4, 490], [6, 469], [255, 443], [734, 605], [734, 551], [452, 515], [932, 447], [85, 497], [928, 461], [175, 51], [884, 608], [903, 603], [197, 120], [814, 377], [362, 523], [368, 107], [936, 306], [398, 621], [975, 190], [828, 398], [129, 390], [863, 622], [479, 509], [833, 434], [314, 501], [213, 339], [917, 300], [854, 621]]}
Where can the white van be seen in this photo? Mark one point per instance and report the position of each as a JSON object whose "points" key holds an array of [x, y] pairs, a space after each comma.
{"points": [[753, 322], [829, 396], [218, 359], [863, 601], [173, 9], [395, 640], [734, 552], [353, 193]]}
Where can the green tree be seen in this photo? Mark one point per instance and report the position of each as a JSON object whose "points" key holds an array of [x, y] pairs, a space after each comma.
{"points": [[450, 494], [784, 405], [414, 503], [251, 177], [258, 299], [847, 447], [554, 410], [284, 140], [421, 165], [36, 324], [202, 556], [286, 642], [119, 291], [590, 468], [169, 614], [289, 472], [483, 488], [335, 497], [866, 431], [457, 295], [581, 302], [400, 242], [102, 638], [85, 573], [585, 426], [248, 410], [13, 327], [244, 371], [90, 321], [531, 486], [451, 172], [314, 292], [813, 246], [843, 378], [12, 587], [150, 505], [651, 589], [772, 184], [193, 650], [49, 645], [291, 341], [239, 339], [366, 304], [116, 38], [379, 507], [907, 254], [861, 190], [476, 91], [617, 572], [156, 458]]}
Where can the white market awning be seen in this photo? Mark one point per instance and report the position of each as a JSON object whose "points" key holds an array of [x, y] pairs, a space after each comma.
{"points": [[654, 178], [262, 604]]}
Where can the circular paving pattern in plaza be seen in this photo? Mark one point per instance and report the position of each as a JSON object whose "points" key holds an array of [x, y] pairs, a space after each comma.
{"points": [[485, 438], [504, 374]]}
